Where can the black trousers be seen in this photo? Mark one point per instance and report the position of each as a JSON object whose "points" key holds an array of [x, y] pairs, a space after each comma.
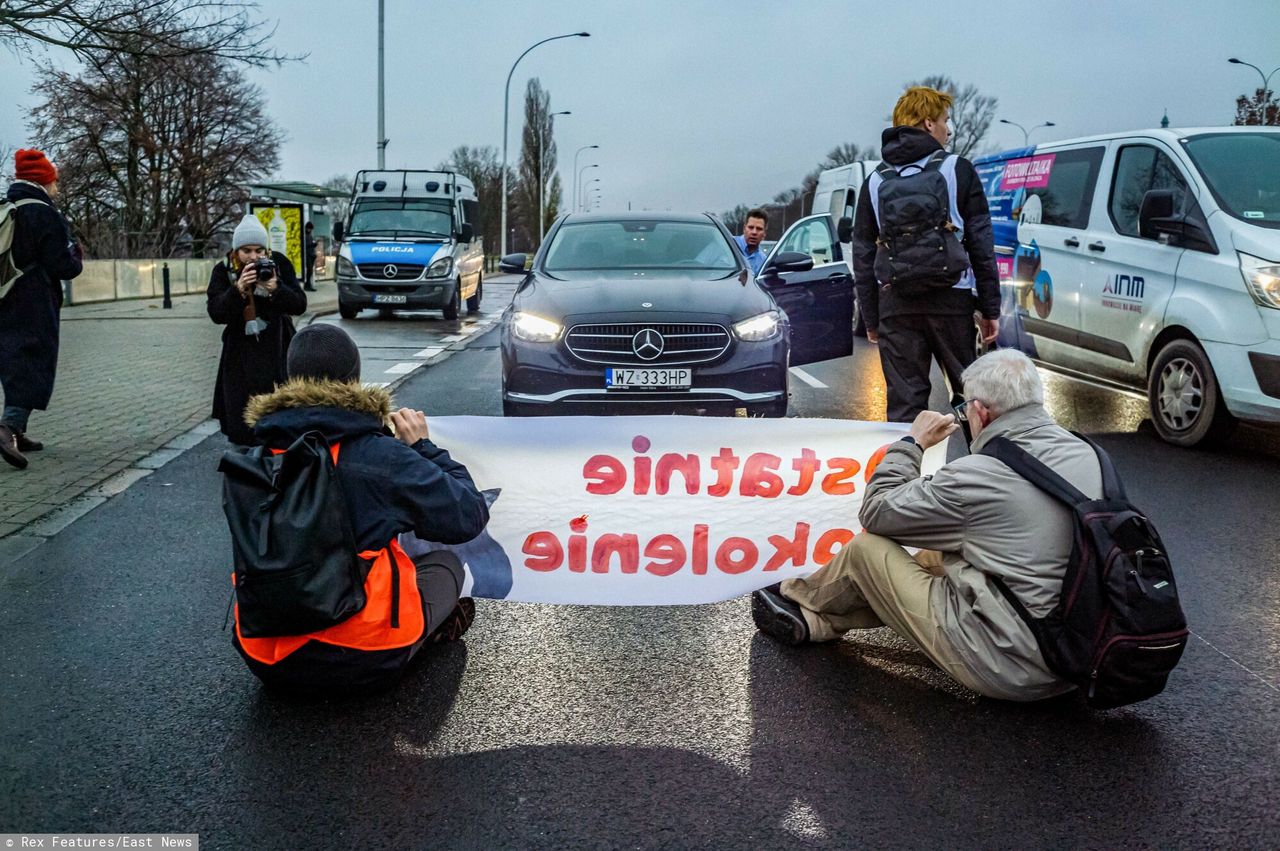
{"points": [[909, 345], [440, 578]]}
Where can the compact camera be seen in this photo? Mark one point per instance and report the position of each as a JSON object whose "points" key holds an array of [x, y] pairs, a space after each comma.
{"points": [[266, 268]]}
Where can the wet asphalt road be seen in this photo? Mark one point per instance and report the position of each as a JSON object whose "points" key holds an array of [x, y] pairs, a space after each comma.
{"points": [[124, 708]]}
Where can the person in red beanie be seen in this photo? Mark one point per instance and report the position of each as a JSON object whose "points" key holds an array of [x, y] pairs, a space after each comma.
{"points": [[44, 250]]}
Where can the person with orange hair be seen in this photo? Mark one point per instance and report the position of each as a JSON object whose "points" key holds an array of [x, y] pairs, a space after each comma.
{"points": [[923, 255], [46, 255]]}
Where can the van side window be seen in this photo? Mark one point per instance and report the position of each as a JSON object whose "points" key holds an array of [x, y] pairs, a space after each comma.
{"points": [[469, 211], [1140, 168], [1072, 178], [837, 204]]}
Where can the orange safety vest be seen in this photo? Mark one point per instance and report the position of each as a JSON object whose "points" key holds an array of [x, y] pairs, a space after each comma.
{"points": [[375, 627]]}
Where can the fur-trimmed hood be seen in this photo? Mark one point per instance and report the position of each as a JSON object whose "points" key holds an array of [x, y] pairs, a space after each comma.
{"points": [[339, 410]]}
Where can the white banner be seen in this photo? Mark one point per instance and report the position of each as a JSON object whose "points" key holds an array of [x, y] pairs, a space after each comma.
{"points": [[639, 511]]}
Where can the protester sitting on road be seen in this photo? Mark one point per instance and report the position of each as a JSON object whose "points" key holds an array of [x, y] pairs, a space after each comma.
{"points": [[390, 485], [46, 255], [975, 519], [923, 255], [749, 240], [253, 292]]}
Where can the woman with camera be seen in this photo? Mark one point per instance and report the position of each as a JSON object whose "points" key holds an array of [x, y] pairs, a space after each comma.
{"points": [[253, 292]]}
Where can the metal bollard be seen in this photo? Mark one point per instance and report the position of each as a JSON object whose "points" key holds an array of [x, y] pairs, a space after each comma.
{"points": [[164, 275]]}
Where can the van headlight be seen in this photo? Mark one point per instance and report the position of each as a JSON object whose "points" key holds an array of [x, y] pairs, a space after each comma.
{"points": [[534, 329], [758, 328], [346, 269], [1262, 277], [442, 268]]}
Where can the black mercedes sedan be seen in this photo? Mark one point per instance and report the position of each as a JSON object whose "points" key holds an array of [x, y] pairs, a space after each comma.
{"points": [[659, 313]]}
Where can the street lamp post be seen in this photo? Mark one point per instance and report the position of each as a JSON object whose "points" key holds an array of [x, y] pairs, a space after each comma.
{"points": [[1266, 83], [584, 189], [1026, 134], [382, 98], [575, 173], [506, 112], [577, 181], [542, 172]]}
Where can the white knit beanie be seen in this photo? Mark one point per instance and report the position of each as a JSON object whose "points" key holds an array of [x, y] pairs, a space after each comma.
{"points": [[250, 231]]}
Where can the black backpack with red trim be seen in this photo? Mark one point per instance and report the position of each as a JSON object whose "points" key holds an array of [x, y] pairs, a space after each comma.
{"points": [[1118, 629]]}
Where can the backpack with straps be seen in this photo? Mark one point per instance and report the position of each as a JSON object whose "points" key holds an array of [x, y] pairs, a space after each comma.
{"points": [[917, 249], [297, 569], [1118, 629], [9, 271]]}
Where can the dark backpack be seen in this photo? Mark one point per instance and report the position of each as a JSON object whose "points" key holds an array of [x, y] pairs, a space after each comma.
{"points": [[917, 249], [1118, 628], [297, 569]]}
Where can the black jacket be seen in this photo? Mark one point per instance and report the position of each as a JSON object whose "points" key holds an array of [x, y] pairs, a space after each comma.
{"points": [[29, 321], [389, 487], [899, 146], [251, 365]]}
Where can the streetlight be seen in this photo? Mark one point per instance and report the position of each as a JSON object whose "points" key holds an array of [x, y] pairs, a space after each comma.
{"points": [[577, 181], [506, 111], [584, 189], [575, 173], [1026, 134], [542, 171], [1266, 78]]}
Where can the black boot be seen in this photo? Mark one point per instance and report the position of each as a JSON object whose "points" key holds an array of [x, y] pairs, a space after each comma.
{"points": [[777, 616], [457, 623], [27, 444], [9, 448]]}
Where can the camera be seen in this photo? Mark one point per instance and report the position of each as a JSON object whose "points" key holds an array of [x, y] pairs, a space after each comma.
{"points": [[266, 268]]}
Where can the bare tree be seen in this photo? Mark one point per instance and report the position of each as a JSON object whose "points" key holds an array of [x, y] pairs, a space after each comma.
{"points": [[971, 112], [848, 152], [163, 29], [537, 156], [1263, 109], [481, 166], [340, 207], [734, 219]]}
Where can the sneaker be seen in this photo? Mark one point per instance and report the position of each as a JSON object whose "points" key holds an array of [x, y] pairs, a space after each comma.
{"points": [[9, 448], [778, 617], [27, 444], [457, 623]]}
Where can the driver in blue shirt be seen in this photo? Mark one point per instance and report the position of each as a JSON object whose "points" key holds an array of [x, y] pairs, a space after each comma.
{"points": [[749, 241]]}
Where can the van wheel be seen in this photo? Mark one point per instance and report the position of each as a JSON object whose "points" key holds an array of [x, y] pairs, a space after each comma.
{"points": [[450, 310], [348, 311], [473, 300], [1186, 404]]}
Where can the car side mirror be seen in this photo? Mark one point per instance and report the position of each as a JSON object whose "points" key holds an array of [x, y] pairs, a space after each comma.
{"points": [[788, 261], [1157, 220], [844, 229], [513, 263], [338, 231], [466, 232], [1156, 204]]}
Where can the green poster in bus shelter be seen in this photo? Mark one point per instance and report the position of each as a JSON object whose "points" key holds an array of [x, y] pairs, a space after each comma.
{"points": [[284, 230]]}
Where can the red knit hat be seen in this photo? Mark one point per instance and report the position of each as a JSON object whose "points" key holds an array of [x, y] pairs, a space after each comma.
{"points": [[33, 165]]}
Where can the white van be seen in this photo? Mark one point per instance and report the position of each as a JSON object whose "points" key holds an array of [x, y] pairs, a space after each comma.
{"points": [[836, 196], [1148, 260], [409, 243]]}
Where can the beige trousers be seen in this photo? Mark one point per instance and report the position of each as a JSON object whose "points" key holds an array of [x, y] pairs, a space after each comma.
{"points": [[874, 582]]}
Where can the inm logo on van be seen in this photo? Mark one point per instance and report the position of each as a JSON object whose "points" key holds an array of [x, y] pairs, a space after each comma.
{"points": [[1124, 292]]}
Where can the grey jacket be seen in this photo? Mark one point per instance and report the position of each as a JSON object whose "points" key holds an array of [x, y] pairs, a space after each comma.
{"points": [[988, 521]]}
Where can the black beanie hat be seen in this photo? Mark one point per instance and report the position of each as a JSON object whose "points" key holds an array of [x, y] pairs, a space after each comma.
{"points": [[323, 352]]}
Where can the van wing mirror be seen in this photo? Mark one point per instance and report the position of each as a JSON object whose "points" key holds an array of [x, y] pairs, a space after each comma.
{"points": [[338, 232], [513, 263], [1157, 220], [466, 232], [1156, 204], [844, 229]]}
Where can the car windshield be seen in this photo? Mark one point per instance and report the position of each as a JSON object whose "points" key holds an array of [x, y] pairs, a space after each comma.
{"points": [[401, 217], [636, 244], [1243, 172]]}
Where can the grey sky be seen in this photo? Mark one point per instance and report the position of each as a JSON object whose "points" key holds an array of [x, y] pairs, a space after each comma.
{"points": [[703, 105]]}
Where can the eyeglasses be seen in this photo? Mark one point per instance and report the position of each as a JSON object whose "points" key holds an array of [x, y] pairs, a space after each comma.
{"points": [[960, 408]]}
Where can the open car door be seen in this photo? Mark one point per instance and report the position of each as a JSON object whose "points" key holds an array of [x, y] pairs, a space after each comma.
{"points": [[817, 297]]}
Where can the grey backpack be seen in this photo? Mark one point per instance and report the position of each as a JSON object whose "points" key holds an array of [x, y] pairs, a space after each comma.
{"points": [[918, 249], [9, 271]]}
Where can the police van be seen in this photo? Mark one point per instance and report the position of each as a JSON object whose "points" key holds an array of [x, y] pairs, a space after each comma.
{"points": [[409, 243], [1148, 261]]}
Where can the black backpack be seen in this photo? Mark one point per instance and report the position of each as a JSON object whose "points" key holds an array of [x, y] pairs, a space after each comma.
{"points": [[917, 249], [1118, 628], [297, 569]]}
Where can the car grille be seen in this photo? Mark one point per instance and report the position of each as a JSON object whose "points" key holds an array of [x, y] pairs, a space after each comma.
{"points": [[682, 343], [404, 272]]}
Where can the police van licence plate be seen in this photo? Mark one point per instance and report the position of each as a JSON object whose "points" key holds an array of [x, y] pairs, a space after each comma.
{"points": [[667, 379], [382, 298]]}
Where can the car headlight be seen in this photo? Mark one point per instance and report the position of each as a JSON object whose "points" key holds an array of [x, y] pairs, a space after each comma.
{"points": [[1262, 277], [758, 328], [346, 269], [442, 268], [534, 329]]}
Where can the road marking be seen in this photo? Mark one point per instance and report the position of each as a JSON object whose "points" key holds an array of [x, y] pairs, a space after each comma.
{"points": [[807, 378], [429, 352], [1229, 658], [377, 383], [453, 338], [401, 368]]}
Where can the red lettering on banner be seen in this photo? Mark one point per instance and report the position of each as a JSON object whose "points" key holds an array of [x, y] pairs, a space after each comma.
{"points": [[644, 466], [686, 465], [791, 549], [843, 468], [544, 551], [726, 561], [667, 552], [874, 461], [609, 473], [758, 478], [626, 546], [724, 464], [806, 465], [825, 549], [578, 545], [700, 533]]}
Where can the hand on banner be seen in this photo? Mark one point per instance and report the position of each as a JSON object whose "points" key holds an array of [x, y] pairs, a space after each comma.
{"points": [[409, 426], [931, 428]]}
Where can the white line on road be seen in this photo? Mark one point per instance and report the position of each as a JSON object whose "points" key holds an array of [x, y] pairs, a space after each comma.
{"points": [[429, 352], [401, 368], [807, 378], [453, 338]]}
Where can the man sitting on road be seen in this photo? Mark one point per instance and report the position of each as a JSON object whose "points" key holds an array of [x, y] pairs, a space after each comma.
{"points": [[974, 520], [391, 484], [749, 240]]}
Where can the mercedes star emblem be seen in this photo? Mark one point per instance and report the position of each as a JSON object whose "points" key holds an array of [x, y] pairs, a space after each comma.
{"points": [[389, 271], [648, 344]]}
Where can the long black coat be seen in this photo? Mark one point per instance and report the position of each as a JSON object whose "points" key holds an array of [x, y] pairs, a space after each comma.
{"points": [[251, 365], [42, 245]]}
